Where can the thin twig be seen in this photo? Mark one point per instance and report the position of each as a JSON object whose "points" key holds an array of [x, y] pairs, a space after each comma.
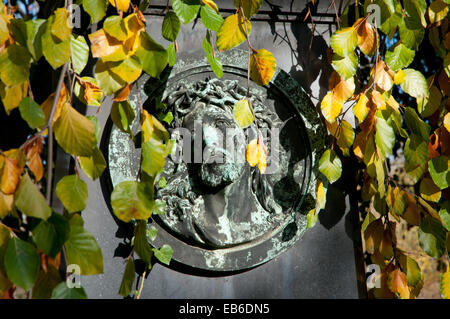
{"points": [[50, 133], [141, 286]]}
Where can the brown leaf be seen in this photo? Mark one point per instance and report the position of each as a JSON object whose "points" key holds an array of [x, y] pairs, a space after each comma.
{"points": [[386, 245], [123, 94], [373, 235], [367, 37], [91, 92], [412, 212], [33, 153], [262, 66], [397, 284]]}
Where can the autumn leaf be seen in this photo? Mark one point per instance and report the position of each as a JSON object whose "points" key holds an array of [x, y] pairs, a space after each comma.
{"points": [[445, 284], [262, 66], [92, 93], [367, 36], [341, 89], [243, 114], [10, 175], [33, 152], [123, 94], [382, 75], [256, 154], [344, 41], [397, 284], [102, 44], [232, 32], [331, 107], [361, 108], [122, 5], [48, 103], [447, 121]]}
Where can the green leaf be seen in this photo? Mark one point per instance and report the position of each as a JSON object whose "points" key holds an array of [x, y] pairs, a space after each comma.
{"points": [[74, 132], [428, 105], [152, 232], [330, 165], [94, 120], [432, 237], [171, 54], [51, 235], [242, 113], [141, 244], [30, 201], [108, 81], [410, 35], [429, 191], [186, 10], [159, 207], [126, 286], [345, 66], [61, 29], [399, 56], [72, 192], [22, 263], [132, 200], [211, 19], [5, 235], [390, 18], [122, 115], [416, 124], [94, 165], [439, 171], [344, 41], [154, 155], [79, 52], [14, 65], [164, 254], [28, 34], [416, 150], [411, 269], [414, 83], [171, 26], [214, 62], [61, 291], [415, 13], [56, 52], [251, 7], [152, 56], [384, 137], [32, 113], [96, 9], [444, 213], [311, 218], [115, 27], [82, 249]]}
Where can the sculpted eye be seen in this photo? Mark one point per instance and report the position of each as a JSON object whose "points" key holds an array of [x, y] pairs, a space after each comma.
{"points": [[222, 122]]}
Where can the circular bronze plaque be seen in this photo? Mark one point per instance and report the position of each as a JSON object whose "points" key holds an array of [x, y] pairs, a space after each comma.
{"points": [[222, 214]]}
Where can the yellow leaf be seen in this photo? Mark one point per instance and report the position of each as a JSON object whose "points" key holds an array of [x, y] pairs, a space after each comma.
{"points": [[429, 190], [128, 70], [6, 204], [445, 284], [134, 25], [447, 121], [61, 26], [10, 176], [242, 113], [256, 154], [262, 67], [102, 44], [122, 5], [367, 37], [397, 284], [152, 128], [331, 107], [321, 194], [383, 75], [399, 77], [361, 109], [12, 95], [342, 89], [232, 32], [386, 245], [392, 103], [378, 100], [211, 4]]}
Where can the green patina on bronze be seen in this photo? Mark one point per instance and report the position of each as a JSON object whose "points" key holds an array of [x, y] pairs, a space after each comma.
{"points": [[228, 216]]}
